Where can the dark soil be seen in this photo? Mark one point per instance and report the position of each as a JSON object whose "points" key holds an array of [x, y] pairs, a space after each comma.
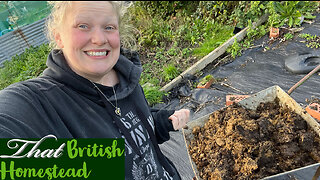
{"points": [[237, 143]]}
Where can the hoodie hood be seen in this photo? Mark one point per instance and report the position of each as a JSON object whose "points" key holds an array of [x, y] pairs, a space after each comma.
{"points": [[128, 68]]}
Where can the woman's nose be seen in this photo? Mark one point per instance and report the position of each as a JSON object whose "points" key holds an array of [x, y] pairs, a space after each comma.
{"points": [[98, 37]]}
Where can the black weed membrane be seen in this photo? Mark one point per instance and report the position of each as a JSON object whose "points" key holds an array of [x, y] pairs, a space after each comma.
{"points": [[258, 68]]}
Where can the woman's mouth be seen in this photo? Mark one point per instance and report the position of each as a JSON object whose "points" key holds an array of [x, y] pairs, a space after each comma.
{"points": [[97, 53]]}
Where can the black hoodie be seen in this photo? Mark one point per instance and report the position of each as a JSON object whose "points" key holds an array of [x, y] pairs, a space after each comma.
{"points": [[64, 104]]}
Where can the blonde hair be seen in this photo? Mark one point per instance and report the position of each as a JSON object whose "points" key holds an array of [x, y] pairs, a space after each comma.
{"points": [[59, 9]]}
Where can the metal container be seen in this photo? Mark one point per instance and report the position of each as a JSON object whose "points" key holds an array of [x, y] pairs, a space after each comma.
{"points": [[252, 102]]}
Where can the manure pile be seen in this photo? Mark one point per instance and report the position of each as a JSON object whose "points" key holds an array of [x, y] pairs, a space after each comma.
{"points": [[238, 143]]}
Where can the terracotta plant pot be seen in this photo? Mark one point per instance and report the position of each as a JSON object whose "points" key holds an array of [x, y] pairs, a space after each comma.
{"points": [[206, 85], [206, 81], [274, 32]]}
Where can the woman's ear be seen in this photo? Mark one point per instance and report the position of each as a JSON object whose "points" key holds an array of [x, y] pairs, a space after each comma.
{"points": [[57, 37]]}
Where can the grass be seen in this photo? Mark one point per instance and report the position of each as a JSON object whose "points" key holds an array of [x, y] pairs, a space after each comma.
{"points": [[170, 72], [215, 40]]}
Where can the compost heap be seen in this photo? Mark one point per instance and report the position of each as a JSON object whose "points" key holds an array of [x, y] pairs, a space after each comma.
{"points": [[238, 143]]}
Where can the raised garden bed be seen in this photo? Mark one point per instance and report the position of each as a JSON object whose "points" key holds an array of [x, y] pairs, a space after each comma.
{"points": [[263, 135]]}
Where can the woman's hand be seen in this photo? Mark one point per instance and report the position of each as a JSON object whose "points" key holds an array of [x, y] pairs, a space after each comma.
{"points": [[180, 118]]}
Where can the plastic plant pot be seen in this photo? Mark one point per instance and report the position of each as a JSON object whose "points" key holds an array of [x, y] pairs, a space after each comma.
{"points": [[274, 32]]}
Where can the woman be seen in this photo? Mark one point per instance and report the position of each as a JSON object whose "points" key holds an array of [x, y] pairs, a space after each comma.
{"points": [[91, 90]]}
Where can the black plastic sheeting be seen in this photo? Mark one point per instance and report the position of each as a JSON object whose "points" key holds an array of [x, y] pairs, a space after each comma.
{"points": [[254, 71]]}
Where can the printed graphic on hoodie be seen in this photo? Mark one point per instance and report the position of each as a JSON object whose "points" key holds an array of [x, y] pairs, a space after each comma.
{"points": [[146, 167]]}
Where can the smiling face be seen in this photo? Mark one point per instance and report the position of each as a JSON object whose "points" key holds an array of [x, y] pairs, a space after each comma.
{"points": [[89, 38]]}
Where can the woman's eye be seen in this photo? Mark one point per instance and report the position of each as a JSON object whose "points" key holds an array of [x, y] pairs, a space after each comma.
{"points": [[82, 26], [109, 28]]}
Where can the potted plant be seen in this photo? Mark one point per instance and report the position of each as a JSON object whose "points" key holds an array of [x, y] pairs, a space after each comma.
{"points": [[274, 32], [206, 81], [275, 22]]}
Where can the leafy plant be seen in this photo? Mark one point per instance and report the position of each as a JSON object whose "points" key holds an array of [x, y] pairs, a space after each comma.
{"points": [[307, 36], [313, 41], [288, 36], [292, 12], [248, 10], [235, 49], [218, 10], [288, 12], [274, 17], [253, 33], [152, 93], [170, 72]]}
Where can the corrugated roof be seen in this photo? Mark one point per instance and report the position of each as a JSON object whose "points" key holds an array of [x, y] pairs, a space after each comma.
{"points": [[15, 42]]}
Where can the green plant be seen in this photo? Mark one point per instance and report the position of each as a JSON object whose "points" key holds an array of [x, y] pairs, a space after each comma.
{"points": [[247, 10], [253, 33], [170, 72], [307, 36], [291, 12], [206, 79], [266, 48], [312, 41], [152, 93], [288, 36], [186, 52], [288, 13], [216, 34], [173, 51], [25, 66], [274, 17], [235, 49], [218, 10]]}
